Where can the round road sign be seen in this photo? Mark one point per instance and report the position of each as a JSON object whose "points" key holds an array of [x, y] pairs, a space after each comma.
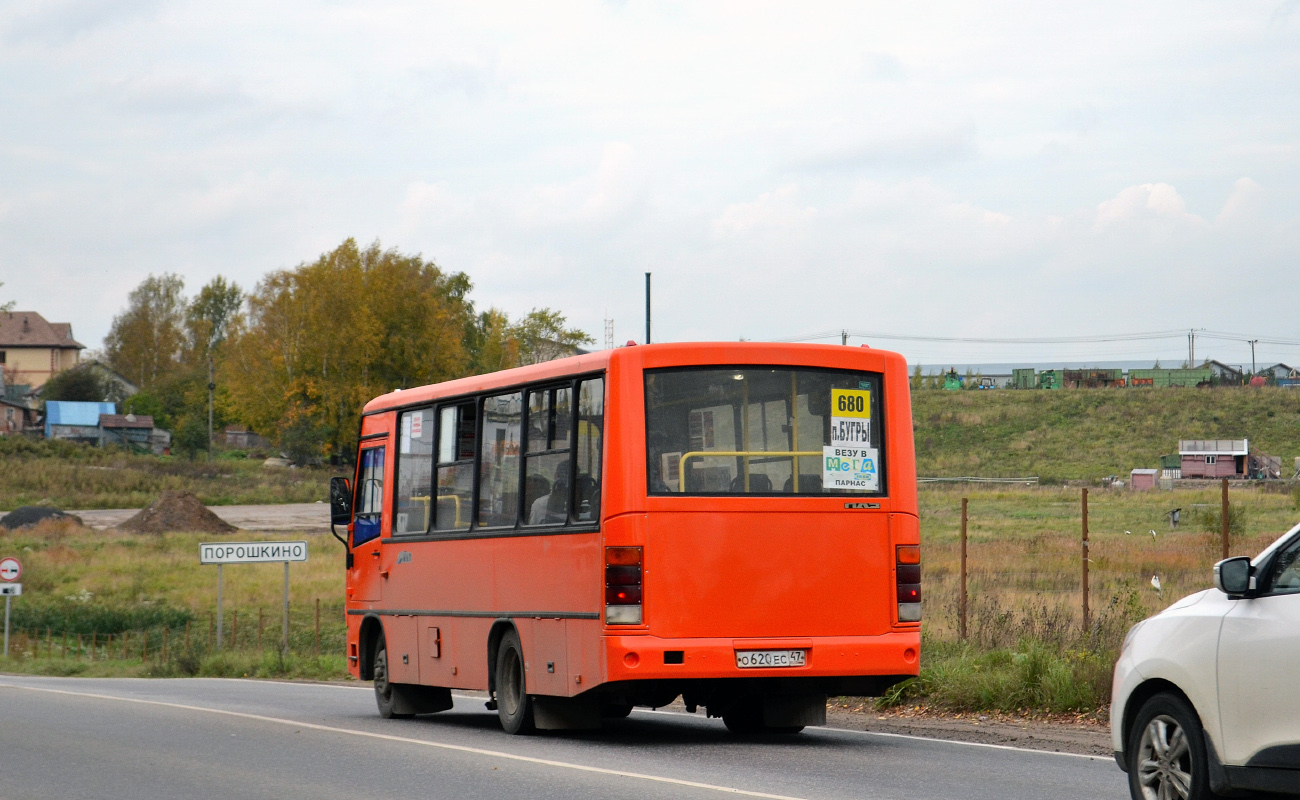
{"points": [[10, 569]]}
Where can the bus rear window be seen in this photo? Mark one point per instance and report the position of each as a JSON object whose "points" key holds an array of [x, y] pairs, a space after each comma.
{"points": [[763, 431]]}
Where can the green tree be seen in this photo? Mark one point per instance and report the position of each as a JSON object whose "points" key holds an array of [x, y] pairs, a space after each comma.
{"points": [[542, 336], [146, 341], [209, 316], [78, 384]]}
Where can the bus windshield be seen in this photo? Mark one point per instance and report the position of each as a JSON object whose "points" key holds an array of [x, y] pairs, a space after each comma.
{"points": [[763, 431]]}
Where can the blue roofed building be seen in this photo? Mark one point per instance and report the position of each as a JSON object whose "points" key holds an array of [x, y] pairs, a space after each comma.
{"points": [[78, 421]]}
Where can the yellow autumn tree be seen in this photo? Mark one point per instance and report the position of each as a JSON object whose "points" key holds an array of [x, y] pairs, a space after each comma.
{"points": [[321, 339]]}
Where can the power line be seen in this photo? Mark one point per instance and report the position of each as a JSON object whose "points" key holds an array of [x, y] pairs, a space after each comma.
{"points": [[1118, 337], [1089, 339]]}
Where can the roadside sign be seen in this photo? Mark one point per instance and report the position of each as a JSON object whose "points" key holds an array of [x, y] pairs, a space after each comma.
{"points": [[251, 552], [11, 589], [10, 569], [222, 553]]}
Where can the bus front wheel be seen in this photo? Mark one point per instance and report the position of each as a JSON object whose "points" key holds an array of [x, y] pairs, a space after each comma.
{"points": [[514, 706]]}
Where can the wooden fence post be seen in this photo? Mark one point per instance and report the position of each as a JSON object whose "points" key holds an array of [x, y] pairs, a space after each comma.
{"points": [[317, 626], [1224, 520], [49, 643], [260, 621], [126, 635], [164, 646], [94, 644], [961, 627], [211, 628], [144, 645], [187, 635], [1086, 620], [65, 644]]}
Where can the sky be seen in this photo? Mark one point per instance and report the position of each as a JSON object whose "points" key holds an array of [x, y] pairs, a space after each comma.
{"points": [[1018, 170]]}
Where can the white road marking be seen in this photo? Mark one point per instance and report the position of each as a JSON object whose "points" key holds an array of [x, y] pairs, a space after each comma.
{"points": [[913, 736], [407, 740]]}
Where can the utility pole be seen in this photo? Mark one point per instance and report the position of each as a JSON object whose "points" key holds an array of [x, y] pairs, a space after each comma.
{"points": [[211, 386], [844, 337], [1191, 349], [647, 308], [1253, 342]]}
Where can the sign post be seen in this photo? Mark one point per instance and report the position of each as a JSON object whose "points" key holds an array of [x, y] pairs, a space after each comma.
{"points": [[10, 571], [222, 553]]}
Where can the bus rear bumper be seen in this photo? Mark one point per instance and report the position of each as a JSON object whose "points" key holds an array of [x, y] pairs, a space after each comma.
{"points": [[891, 656]]}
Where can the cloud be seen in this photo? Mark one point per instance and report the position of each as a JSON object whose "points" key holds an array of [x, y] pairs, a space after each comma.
{"points": [[779, 209], [57, 21], [1242, 204], [1144, 203]]}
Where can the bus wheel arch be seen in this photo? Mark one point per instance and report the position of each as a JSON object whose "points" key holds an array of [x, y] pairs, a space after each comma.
{"points": [[367, 638], [495, 635]]}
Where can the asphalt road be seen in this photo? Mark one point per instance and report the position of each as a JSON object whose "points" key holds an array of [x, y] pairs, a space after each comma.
{"points": [[142, 739]]}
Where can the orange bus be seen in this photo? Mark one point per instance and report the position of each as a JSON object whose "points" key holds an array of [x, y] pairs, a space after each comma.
{"points": [[734, 524]]}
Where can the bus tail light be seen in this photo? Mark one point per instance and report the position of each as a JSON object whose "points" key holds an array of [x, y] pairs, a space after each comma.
{"points": [[908, 571], [622, 586]]}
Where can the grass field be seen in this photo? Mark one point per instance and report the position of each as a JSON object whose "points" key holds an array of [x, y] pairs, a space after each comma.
{"points": [[1087, 434], [67, 475], [118, 591], [1026, 648]]}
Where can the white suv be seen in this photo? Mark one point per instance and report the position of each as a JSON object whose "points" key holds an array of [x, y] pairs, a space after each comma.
{"points": [[1206, 698]]}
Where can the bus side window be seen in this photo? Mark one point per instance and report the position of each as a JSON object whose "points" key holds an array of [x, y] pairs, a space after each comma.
{"points": [[369, 501], [498, 479], [547, 468], [591, 426], [455, 456], [414, 465]]}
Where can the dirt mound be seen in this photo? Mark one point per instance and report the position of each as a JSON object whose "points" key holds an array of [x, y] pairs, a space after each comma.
{"points": [[176, 511], [27, 516]]}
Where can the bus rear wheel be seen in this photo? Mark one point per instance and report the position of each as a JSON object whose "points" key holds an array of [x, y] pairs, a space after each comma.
{"points": [[514, 706], [385, 692], [745, 718]]}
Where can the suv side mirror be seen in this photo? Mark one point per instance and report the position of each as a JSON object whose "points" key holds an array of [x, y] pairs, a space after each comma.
{"points": [[1232, 576], [340, 501]]}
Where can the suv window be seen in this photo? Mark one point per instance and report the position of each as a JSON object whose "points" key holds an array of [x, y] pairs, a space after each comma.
{"points": [[1285, 577]]}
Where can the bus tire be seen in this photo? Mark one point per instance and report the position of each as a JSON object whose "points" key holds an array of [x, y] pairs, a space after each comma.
{"points": [[745, 718], [386, 693], [514, 706]]}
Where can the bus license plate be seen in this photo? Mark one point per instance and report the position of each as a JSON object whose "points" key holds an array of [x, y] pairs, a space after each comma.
{"points": [[757, 659]]}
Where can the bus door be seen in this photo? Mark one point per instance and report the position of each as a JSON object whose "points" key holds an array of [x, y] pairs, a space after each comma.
{"points": [[367, 523]]}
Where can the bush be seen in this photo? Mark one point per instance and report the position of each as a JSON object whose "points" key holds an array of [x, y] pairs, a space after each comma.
{"points": [[78, 616]]}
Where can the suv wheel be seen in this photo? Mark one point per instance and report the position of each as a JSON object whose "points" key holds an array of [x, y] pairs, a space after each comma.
{"points": [[1167, 759]]}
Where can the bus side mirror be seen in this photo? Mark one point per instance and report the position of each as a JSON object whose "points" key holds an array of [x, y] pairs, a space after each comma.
{"points": [[1232, 576], [340, 501]]}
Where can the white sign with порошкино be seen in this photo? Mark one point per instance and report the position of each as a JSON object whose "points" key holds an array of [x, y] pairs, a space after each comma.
{"points": [[251, 552], [222, 553]]}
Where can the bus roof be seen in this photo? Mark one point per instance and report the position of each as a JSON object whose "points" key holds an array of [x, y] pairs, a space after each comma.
{"points": [[652, 355]]}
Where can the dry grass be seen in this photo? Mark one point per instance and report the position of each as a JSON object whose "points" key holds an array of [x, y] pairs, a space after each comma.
{"points": [[1024, 549], [1027, 647]]}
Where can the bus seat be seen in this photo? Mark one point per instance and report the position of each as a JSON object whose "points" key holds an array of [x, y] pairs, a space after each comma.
{"points": [[808, 484], [759, 483]]}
